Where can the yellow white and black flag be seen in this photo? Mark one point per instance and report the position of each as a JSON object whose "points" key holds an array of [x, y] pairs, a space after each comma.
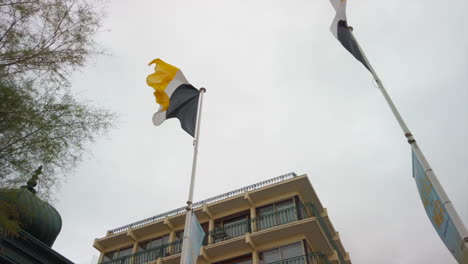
{"points": [[174, 94], [342, 32]]}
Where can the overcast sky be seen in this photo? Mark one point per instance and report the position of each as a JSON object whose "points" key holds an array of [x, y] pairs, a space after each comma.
{"points": [[282, 96]]}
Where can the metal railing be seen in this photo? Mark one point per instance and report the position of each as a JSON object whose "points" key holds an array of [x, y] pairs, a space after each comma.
{"points": [[262, 222], [283, 216], [313, 258], [327, 233], [275, 218], [199, 204], [230, 231], [240, 228], [149, 254]]}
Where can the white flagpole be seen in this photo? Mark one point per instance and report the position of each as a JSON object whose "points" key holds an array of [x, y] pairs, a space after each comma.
{"points": [[188, 217], [419, 154]]}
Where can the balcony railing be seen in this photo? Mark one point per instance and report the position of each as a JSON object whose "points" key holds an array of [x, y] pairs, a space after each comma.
{"points": [[199, 204], [240, 228], [283, 216], [313, 258], [262, 222], [230, 231], [149, 254], [327, 233]]}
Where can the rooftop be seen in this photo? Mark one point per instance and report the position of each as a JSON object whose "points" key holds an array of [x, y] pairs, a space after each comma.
{"points": [[200, 204]]}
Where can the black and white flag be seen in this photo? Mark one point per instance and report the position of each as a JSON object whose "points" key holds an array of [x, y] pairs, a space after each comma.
{"points": [[342, 32]]}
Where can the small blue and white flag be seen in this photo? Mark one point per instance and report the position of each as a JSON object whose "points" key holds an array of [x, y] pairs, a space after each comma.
{"points": [[195, 236], [440, 212]]}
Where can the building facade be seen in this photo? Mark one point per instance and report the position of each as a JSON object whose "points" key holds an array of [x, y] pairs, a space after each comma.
{"points": [[280, 220]]}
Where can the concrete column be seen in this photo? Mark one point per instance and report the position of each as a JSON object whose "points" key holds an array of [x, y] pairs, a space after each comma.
{"points": [[253, 214], [159, 260], [172, 236], [211, 226], [255, 258], [135, 250], [333, 257]]}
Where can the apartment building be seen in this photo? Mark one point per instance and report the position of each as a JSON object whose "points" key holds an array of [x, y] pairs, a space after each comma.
{"points": [[277, 221]]}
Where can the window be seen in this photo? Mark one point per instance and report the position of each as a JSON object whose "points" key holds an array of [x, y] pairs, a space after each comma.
{"points": [[231, 226], [239, 260], [153, 243], [179, 235], [118, 253], [276, 214], [153, 249], [282, 253]]}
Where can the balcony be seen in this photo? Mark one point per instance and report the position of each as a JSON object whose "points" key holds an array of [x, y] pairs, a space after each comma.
{"points": [[230, 231], [243, 198], [148, 255], [262, 222], [280, 217], [262, 228], [313, 258]]}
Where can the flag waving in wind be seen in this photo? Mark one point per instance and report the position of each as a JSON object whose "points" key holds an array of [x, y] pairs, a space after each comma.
{"points": [[175, 95], [342, 32]]}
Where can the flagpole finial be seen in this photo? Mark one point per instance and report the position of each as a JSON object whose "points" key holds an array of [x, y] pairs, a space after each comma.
{"points": [[203, 89]]}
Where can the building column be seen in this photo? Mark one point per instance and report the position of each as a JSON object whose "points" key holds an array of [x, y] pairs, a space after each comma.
{"points": [[159, 260], [135, 250], [172, 236], [253, 211], [255, 258], [333, 257], [253, 215], [211, 226]]}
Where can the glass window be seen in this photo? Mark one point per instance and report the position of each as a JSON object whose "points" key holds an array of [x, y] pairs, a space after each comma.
{"points": [[143, 246], [118, 253], [153, 243], [158, 242], [282, 253], [180, 235], [284, 205], [292, 251], [270, 256], [235, 220], [231, 226], [266, 209], [238, 260], [125, 252], [276, 214], [110, 255]]}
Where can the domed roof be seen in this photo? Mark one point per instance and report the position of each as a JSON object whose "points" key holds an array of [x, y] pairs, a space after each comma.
{"points": [[35, 216]]}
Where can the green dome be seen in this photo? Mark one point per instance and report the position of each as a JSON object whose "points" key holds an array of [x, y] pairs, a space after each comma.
{"points": [[35, 216]]}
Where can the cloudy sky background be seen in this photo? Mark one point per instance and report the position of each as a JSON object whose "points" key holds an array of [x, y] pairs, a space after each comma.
{"points": [[282, 95]]}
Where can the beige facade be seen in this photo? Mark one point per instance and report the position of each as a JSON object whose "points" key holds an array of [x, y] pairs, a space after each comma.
{"points": [[280, 220]]}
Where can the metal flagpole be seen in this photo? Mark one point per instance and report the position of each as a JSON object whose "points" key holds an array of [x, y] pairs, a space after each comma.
{"points": [[188, 217], [417, 151]]}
